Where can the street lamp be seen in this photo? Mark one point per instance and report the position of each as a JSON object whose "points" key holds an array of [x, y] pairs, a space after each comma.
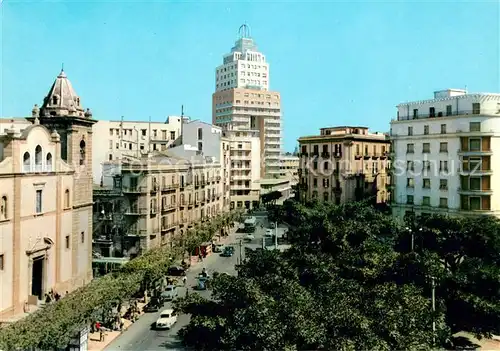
{"points": [[433, 286]]}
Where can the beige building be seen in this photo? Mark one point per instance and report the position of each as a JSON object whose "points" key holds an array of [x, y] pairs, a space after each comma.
{"points": [[290, 165], [115, 140], [248, 109], [164, 196], [344, 164], [245, 167], [46, 201]]}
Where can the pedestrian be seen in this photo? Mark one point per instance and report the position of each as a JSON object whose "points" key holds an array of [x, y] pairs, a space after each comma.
{"points": [[184, 279], [122, 323], [187, 292], [57, 296]]}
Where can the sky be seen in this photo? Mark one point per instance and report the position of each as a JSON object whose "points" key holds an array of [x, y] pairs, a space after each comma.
{"points": [[334, 63]]}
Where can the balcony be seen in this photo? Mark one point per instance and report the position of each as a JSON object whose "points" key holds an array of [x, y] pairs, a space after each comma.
{"points": [[154, 188], [169, 187], [203, 182], [213, 197], [358, 156], [134, 190], [168, 207], [103, 239], [165, 227], [468, 191], [136, 211], [134, 231], [325, 154], [218, 178], [104, 216], [468, 152], [474, 171], [436, 114], [153, 210]]}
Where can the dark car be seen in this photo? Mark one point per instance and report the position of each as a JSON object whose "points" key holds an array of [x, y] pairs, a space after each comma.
{"points": [[153, 306], [176, 271], [228, 251]]}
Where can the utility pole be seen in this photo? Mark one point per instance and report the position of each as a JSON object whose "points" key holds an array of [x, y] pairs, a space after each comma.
{"points": [[433, 285], [276, 235], [241, 247], [263, 242]]}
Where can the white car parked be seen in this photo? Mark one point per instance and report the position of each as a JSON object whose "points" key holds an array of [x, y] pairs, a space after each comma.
{"points": [[269, 233], [249, 237], [167, 319]]}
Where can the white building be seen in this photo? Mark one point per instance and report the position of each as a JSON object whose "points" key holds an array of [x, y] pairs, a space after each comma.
{"points": [[242, 100], [446, 153], [244, 147], [115, 140], [244, 66]]}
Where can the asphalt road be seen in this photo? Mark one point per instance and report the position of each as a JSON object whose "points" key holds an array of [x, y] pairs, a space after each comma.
{"points": [[141, 335]]}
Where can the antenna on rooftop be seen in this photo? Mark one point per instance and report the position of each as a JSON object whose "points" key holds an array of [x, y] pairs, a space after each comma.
{"points": [[182, 110]]}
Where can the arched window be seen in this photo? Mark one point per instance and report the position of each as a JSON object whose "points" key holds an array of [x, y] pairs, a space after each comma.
{"points": [[48, 163], [26, 162], [82, 152], [66, 198], [38, 158], [3, 208], [54, 100], [325, 196]]}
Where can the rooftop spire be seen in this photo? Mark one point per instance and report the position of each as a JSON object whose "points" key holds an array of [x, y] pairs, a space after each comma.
{"points": [[62, 99], [244, 31]]}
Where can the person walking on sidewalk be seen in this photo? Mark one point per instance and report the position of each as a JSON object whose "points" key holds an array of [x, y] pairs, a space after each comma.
{"points": [[184, 279]]}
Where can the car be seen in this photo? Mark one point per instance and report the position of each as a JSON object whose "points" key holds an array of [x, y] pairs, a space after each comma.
{"points": [[218, 248], [176, 271], [169, 293], [166, 320], [228, 251], [269, 233], [249, 237], [153, 306]]}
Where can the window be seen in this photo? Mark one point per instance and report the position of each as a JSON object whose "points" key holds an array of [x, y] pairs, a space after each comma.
{"points": [[304, 149], [315, 165], [475, 203], [415, 113], [143, 132], [426, 183], [82, 152], [316, 149], [67, 241], [82, 237], [409, 165], [443, 147], [426, 148], [409, 199], [426, 165], [443, 184], [426, 201], [26, 162], [200, 146], [474, 144], [443, 128], [426, 130], [474, 126], [448, 110], [432, 112], [410, 183], [325, 166], [2, 262], [172, 136], [326, 182], [410, 130], [443, 166], [200, 134], [476, 108], [475, 164], [38, 208], [409, 148], [325, 196], [443, 202], [48, 162], [38, 158], [66, 198], [475, 183], [4, 208], [315, 182]]}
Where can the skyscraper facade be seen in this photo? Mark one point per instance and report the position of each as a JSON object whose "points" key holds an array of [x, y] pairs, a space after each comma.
{"points": [[242, 100]]}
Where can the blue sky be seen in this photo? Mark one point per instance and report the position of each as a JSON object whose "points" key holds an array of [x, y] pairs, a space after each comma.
{"points": [[334, 63]]}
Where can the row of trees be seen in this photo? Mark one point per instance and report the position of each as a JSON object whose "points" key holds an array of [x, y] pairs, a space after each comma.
{"points": [[53, 326], [355, 278]]}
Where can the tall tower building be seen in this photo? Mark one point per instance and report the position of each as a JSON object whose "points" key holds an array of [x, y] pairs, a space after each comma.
{"points": [[242, 100]]}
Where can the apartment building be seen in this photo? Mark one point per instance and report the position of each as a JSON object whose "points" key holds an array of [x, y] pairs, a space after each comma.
{"points": [[46, 201], [243, 101], [245, 168], [121, 139], [290, 165], [444, 154], [165, 195], [344, 164]]}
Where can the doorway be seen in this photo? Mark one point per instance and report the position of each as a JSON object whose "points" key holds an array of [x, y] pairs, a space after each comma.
{"points": [[37, 277]]}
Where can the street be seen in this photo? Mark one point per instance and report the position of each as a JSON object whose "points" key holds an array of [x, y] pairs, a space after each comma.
{"points": [[141, 335]]}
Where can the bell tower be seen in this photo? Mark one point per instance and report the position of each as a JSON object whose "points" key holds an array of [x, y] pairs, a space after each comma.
{"points": [[62, 111]]}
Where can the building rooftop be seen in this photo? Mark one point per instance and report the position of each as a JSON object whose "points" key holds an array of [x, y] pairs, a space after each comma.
{"points": [[344, 132]]}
